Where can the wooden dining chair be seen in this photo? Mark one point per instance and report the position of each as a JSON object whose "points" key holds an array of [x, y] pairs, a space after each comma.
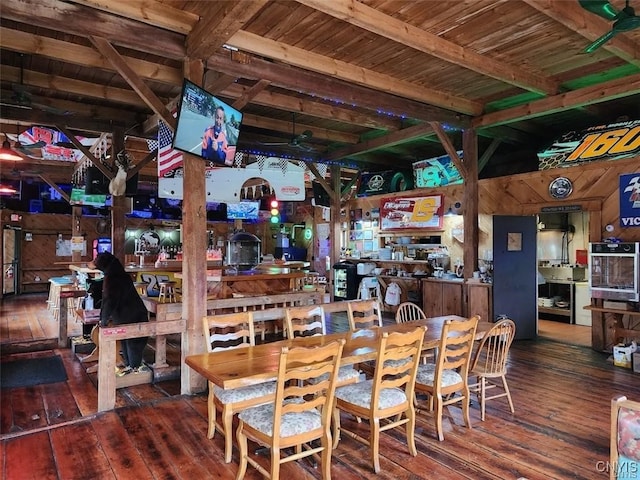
{"points": [[310, 320], [446, 381], [409, 312], [300, 414], [304, 321], [387, 399], [489, 364], [364, 314], [223, 332]]}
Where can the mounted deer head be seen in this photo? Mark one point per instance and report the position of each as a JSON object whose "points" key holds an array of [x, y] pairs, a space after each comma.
{"points": [[118, 184]]}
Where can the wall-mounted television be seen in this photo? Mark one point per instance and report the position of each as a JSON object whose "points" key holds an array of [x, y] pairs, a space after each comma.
{"points": [[50, 194], [79, 197], [144, 206], [206, 126], [243, 211], [216, 212]]}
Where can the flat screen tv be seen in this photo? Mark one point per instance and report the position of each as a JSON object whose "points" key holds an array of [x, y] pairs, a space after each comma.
{"points": [[243, 211], [216, 212], [79, 197], [206, 126]]}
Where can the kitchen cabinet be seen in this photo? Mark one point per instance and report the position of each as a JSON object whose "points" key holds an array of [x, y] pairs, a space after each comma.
{"points": [[442, 297], [480, 300]]}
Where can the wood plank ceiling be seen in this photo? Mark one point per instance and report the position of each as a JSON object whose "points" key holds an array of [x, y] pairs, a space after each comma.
{"points": [[366, 77]]}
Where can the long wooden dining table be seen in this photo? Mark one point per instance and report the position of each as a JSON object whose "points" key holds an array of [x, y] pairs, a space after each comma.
{"points": [[240, 367]]}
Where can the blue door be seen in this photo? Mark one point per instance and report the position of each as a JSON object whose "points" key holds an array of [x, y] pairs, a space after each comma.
{"points": [[515, 285]]}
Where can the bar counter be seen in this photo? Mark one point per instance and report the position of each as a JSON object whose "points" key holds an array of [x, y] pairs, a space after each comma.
{"points": [[222, 284]]}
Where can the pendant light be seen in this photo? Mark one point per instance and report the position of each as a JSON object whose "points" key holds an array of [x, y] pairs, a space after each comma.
{"points": [[8, 154], [7, 190]]}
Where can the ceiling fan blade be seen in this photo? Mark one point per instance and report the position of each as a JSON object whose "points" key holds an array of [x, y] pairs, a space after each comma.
{"points": [[602, 8], [600, 41], [305, 135]]}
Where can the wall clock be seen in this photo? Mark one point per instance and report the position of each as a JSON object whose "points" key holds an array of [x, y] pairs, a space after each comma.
{"points": [[560, 188]]}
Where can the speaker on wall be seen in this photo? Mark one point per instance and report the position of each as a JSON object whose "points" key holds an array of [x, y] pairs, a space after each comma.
{"points": [[320, 196], [97, 184]]}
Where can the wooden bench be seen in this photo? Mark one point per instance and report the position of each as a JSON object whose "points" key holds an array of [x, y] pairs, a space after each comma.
{"points": [[108, 336]]}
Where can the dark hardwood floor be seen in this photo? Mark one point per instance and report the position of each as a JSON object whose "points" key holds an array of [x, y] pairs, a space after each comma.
{"points": [[560, 429]]}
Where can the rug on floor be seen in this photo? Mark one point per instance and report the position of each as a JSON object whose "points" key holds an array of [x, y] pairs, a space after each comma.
{"points": [[32, 371]]}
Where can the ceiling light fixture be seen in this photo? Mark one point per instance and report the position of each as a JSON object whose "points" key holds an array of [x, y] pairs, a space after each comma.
{"points": [[7, 190], [8, 154]]}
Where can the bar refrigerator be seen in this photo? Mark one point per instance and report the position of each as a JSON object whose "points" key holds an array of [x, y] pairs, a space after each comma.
{"points": [[345, 281]]}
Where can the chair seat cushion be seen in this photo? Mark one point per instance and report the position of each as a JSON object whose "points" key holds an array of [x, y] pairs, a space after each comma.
{"points": [[261, 418], [344, 374], [426, 374], [360, 394], [244, 393], [629, 433]]}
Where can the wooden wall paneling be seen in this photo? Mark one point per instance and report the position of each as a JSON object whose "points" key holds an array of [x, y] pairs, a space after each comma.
{"points": [[524, 191]]}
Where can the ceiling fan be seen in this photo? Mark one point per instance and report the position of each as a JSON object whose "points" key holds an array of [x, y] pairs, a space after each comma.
{"points": [[623, 20], [297, 141], [22, 98]]}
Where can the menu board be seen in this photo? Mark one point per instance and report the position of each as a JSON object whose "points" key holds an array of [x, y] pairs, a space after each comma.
{"points": [[412, 213]]}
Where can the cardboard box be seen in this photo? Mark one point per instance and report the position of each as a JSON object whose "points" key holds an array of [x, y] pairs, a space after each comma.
{"points": [[622, 354], [616, 305], [635, 362]]}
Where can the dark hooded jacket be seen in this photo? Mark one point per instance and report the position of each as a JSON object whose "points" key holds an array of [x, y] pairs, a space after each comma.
{"points": [[121, 303]]}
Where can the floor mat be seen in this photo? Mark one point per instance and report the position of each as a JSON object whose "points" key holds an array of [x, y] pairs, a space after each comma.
{"points": [[32, 371]]}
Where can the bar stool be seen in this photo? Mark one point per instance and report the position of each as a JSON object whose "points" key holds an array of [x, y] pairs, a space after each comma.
{"points": [[141, 287], [167, 292]]}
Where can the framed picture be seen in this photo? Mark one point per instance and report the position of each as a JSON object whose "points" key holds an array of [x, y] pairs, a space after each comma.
{"points": [[514, 242], [368, 246], [368, 235]]}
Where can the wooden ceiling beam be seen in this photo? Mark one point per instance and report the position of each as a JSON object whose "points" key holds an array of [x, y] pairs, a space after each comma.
{"points": [[157, 14], [71, 108], [250, 42], [216, 82], [70, 85], [589, 25], [450, 149], [374, 21], [218, 25], [249, 94], [75, 54], [400, 136], [75, 122], [138, 85], [286, 126], [91, 22], [337, 91], [314, 109], [86, 151], [618, 88]]}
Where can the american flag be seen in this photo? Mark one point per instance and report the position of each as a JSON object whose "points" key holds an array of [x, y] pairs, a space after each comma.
{"points": [[168, 158]]}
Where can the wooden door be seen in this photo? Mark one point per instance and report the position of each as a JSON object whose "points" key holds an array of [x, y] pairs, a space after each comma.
{"points": [[515, 272]]}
